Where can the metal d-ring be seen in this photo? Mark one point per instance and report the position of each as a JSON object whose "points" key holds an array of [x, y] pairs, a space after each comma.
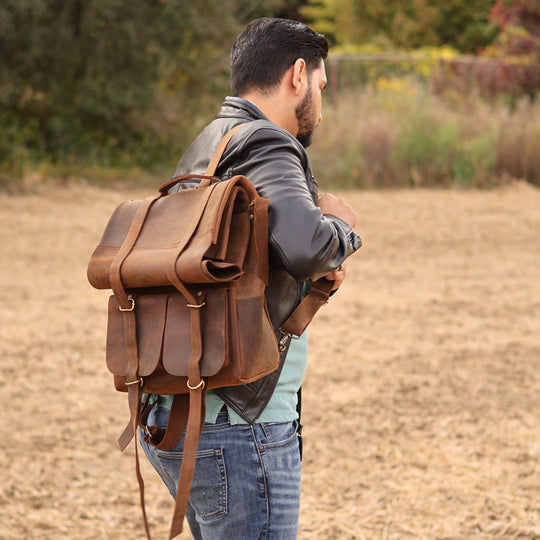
{"points": [[200, 385]]}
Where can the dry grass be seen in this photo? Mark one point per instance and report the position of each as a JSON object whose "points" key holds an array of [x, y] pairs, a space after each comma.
{"points": [[421, 400], [403, 135]]}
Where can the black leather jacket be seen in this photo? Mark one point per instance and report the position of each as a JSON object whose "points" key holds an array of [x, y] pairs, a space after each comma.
{"points": [[303, 244]]}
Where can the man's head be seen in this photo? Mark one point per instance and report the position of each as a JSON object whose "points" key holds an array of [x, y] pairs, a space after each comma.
{"points": [[282, 60], [267, 48]]}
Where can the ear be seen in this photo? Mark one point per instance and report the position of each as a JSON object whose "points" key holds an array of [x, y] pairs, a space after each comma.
{"points": [[299, 76]]}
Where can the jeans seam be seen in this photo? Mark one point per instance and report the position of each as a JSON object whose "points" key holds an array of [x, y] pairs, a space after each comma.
{"points": [[178, 455], [258, 449]]}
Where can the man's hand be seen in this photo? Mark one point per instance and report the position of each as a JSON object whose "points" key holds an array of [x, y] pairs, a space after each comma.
{"points": [[337, 276], [330, 204]]}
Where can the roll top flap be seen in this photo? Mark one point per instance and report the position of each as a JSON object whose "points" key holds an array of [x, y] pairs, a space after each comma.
{"points": [[215, 252]]}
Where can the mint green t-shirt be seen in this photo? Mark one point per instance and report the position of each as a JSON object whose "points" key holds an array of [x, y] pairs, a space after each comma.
{"points": [[282, 404]]}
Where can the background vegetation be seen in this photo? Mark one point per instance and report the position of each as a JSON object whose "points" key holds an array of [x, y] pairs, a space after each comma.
{"points": [[421, 92]]}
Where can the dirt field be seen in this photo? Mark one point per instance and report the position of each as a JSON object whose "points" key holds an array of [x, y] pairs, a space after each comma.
{"points": [[421, 402]]}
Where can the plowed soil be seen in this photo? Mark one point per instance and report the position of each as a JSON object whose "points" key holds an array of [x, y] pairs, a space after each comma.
{"points": [[421, 402]]}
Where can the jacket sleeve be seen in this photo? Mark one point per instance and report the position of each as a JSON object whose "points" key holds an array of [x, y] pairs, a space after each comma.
{"points": [[308, 244]]}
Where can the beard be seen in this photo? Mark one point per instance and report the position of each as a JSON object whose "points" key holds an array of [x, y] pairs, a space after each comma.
{"points": [[307, 119]]}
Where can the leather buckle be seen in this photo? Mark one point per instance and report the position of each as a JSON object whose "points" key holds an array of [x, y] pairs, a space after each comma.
{"points": [[132, 300], [198, 306]]}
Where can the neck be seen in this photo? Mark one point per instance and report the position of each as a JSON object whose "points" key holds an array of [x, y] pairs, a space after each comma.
{"points": [[276, 109]]}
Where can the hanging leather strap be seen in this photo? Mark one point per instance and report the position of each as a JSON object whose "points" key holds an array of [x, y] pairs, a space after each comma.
{"points": [[127, 306], [165, 439], [195, 422], [196, 384]]}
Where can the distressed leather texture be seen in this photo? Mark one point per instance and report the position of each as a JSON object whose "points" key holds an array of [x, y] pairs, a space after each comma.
{"points": [[223, 266]]}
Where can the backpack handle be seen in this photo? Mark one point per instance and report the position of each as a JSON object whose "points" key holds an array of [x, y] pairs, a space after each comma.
{"points": [[205, 181], [208, 177]]}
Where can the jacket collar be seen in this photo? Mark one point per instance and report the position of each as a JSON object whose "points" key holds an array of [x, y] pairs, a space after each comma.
{"points": [[235, 107]]}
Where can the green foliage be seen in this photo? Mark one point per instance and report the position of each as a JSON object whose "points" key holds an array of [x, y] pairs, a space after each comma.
{"points": [[427, 145], [465, 24], [462, 24], [76, 71], [248, 10], [93, 84], [112, 82], [475, 160]]}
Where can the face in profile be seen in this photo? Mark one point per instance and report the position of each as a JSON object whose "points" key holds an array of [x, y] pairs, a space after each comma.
{"points": [[308, 113]]}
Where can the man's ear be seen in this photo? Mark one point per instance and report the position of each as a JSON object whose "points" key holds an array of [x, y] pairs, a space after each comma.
{"points": [[299, 76]]}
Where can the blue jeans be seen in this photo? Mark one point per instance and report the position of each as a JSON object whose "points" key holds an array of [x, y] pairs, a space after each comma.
{"points": [[247, 479]]}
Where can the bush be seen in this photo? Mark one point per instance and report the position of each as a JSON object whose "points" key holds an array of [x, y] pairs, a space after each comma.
{"points": [[518, 142], [84, 82], [402, 135]]}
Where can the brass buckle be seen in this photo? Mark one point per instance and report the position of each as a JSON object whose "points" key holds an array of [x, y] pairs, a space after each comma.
{"points": [[138, 381], [132, 300]]}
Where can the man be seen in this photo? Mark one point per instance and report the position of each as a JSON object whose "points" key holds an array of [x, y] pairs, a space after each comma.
{"points": [[247, 478]]}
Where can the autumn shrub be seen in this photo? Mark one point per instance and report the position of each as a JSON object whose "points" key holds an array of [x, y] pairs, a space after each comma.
{"points": [[397, 133], [518, 143], [506, 78]]}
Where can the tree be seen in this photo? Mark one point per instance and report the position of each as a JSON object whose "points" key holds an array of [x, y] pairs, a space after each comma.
{"points": [[519, 22], [463, 24], [80, 75], [110, 79]]}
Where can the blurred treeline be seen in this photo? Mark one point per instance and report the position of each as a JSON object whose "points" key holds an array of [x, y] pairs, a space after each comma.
{"points": [[438, 114], [97, 85], [109, 88]]}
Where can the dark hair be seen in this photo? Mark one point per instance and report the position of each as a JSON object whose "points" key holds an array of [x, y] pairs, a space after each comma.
{"points": [[267, 48]]}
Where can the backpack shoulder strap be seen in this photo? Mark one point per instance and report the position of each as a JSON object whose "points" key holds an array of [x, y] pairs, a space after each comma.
{"points": [[206, 177], [302, 315], [214, 162]]}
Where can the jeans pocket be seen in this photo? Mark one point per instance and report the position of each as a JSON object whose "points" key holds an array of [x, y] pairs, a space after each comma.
{"points": [[209, 486], [278, 434]]}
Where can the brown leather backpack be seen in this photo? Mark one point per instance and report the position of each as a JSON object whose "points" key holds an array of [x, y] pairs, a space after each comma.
{"points": [[188, 271]]}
